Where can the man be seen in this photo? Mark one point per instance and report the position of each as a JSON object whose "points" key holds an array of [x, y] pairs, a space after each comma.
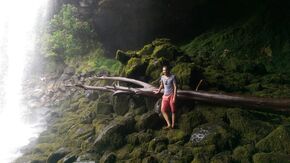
{"points": [[168, 82]]}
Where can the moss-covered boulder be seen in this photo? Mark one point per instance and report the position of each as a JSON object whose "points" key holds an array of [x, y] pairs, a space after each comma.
{"points": [[271, 158], [113, 135], [188, 75], [243, 153], [57, 155], [104, 108], [149, 120], [218, 134], [122, 56], [135, 67], [108, 158], [277, 141], [121, 104], [223, 157], [203, 153], [188, 121], [250, 128], [139, 137]]}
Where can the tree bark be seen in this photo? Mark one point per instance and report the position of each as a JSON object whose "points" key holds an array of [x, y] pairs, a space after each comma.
{"points": [[247, 102]]}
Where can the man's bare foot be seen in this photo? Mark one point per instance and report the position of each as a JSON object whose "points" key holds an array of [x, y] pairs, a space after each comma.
{"points": [[166, 128]]}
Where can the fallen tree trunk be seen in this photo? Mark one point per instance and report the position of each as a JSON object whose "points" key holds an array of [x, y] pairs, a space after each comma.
{"points": [[249, 102]]}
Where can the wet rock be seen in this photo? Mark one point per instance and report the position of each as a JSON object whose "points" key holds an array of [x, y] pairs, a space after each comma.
{"points": [[277, 141], [57, 155], [149, 120], [108, 158]]}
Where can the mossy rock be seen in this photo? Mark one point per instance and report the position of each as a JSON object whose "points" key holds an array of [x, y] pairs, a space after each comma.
{"points": [[166, 50], [218, 134], [211, 113], [250, 128], [243, 153], [121, 104], [149, 120], [139, 138], [204, 153], [158, 144], [124, 57], [104, 108], [160, 41], [105, 98], [112, 136], [277, 141], [150, 159], [123, 153], [187, 74], [188, 121], [135, 67], [146, 50], [154, 68], [139, 153], [176, 135], [271, 158], [108, 158], [223, 157]]}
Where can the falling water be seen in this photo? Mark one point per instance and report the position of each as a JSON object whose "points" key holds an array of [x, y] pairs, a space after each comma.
{"points": [[18, 20]]}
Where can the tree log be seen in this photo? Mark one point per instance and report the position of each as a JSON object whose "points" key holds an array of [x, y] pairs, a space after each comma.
{"points": [[248, 102]]}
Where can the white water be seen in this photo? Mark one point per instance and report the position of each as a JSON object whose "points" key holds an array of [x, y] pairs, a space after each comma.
{"points": [[18, 19]]}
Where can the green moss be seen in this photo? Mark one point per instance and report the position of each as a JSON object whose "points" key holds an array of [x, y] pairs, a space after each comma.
{"points": [[204, 153], [243, 153], [223, 157], [277, 141], [190, 120], [187, 74], [146, 50], [271, 158], [135, 67], [104, 108], [248, 126]]}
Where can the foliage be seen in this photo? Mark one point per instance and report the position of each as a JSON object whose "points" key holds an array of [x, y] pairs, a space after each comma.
{"points": [[67, 35]]}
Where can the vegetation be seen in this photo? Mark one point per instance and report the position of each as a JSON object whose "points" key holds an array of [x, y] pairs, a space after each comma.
{"points": [[67, 35]]}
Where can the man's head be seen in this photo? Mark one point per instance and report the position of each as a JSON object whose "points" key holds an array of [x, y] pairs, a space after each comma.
{"points": [[165, 70]]}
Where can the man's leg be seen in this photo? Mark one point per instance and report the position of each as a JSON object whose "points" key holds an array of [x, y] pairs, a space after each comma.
{"points": [[164, 106], [172, 107], [173, 120]]}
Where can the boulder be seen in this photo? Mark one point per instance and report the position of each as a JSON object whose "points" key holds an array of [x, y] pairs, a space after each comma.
{"points": [[112, 136], [149, 120], [218, 134], [121, 104], [57, 155], [108, 158], [277, 141], [250, 128], [271, 158], [104, 108]]}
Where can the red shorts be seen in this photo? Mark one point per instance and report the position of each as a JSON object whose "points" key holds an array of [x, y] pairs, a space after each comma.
{"points": [[167, 101]]}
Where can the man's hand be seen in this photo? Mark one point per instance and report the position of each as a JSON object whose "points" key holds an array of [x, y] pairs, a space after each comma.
{"points": [[156, 91]]}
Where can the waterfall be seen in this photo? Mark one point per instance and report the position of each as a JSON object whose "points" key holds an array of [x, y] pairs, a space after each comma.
{"points": [[18, 24]]}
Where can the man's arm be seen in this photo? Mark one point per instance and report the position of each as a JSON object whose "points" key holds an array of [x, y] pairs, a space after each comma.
{"points": [[174, 91], [160, 87]]}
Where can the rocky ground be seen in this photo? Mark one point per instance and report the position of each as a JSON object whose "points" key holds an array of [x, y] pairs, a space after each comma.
{"points": [[86, 126]]}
